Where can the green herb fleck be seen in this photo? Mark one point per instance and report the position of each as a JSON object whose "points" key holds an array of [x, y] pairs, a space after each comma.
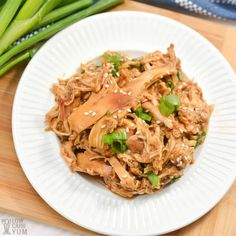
{"points": [[154, 179], [200, 139], [170, 84], [143, 115], [113, 72], [82, 71], [176, 178], [108, 113], [180, 76], [168, 104], [147, 169], [138, 66]]}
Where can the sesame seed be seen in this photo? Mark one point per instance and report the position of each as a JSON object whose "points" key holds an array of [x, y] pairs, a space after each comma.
{"points": [[106, 85], [90, 111], [119, 111], [106, 75], [115, 91], [168, 72], [124, 93], [86, 113], [115, 116], [128, 110], [132, 125], [117, 74], [94, 113], [127, 130], [103, 126], [138, 132], [181, 130], [121, 91], [129, 93]]}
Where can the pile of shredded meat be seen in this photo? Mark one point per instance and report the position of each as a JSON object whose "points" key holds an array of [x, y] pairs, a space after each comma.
{"points": [[135, 123]]}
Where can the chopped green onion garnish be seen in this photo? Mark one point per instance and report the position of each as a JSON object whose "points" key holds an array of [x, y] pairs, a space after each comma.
{"points": [[200, 139], [138, 66], [175, 179], [118, 146], [180, 76], [82, 71], [170, 84], [121, 135], [115, 60], [147, 169], [142, 114], [168, 104], [116, 140], [154, 179], [113, 72], [107, 139]]}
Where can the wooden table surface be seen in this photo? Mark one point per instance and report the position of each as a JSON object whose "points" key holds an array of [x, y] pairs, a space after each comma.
{"points": [[17, 196]]}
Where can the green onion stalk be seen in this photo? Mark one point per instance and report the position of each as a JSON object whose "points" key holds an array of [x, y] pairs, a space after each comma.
{"points": [[8, 11], [64, 11], [99, 6], [31, 13], [2, 2], [26, 55], [65, 2]]}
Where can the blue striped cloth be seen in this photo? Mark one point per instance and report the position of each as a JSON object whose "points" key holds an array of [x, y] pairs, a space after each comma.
{"points": [[221, 9]]}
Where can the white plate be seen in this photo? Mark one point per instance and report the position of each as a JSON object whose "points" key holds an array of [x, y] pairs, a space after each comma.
{"points": [[81, 199]]}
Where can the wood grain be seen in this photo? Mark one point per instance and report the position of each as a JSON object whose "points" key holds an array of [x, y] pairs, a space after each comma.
{"points": [[17, 195]]}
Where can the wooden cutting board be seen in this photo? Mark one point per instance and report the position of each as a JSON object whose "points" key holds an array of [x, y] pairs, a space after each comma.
{"points": [[17, 195]]}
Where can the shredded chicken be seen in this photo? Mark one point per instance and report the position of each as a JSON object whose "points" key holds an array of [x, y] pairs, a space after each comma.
{"points": [[86, 163], [114, 121]]}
